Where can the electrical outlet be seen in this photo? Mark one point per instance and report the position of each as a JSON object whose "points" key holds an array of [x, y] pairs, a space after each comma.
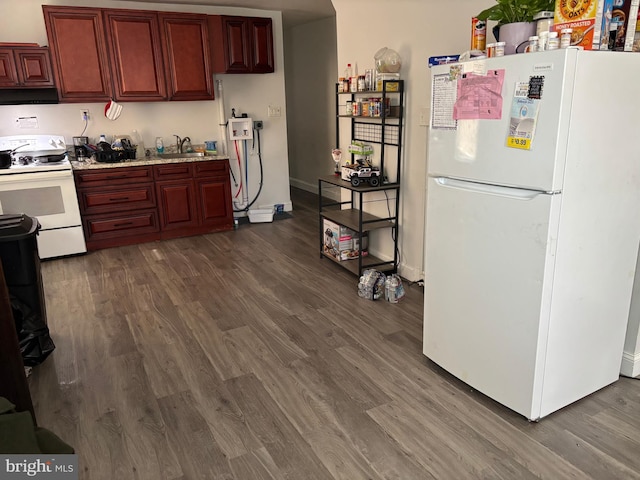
{"points": [[84, 114], [258, 125], [274, 111]]}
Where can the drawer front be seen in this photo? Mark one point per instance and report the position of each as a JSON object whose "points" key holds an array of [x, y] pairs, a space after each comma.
{"points": [[110, 226], [211, 168], [173, 171], [113, 176], [115, 199]]}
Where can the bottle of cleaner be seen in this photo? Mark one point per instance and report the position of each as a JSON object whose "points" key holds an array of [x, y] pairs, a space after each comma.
{"points": [[159, 145]]}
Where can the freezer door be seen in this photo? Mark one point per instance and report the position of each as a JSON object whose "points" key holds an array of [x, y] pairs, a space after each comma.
{"points": [[477, 149], [488, 270]]}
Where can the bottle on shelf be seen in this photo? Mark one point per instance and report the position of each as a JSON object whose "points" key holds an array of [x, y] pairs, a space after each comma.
{"points": [[102, 138], [348, 72], [353, 81]]}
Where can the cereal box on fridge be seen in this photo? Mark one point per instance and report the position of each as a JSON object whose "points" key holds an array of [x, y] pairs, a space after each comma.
{"points": [[584, 17], [625, 13]]}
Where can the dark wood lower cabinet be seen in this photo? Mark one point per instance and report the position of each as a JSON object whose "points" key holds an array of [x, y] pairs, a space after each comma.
{"points": [[215, 202], [177, 204], [129, 205]]}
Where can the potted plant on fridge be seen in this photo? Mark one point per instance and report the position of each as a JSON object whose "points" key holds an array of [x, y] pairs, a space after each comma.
{"points": [[515, 20]]}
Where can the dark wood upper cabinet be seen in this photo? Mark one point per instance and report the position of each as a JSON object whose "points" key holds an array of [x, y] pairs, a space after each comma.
{"points": [[140, 55], [262, 45], [242, 44], [28, 67], [136, 57], [8, 73], [78, 53], [186, 52]]}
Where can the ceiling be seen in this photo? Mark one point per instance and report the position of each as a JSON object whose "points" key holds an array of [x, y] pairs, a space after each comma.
{"points": [[294, 12]]}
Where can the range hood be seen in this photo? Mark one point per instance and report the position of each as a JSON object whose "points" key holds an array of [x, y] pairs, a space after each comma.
{"points": [[28, 96]]}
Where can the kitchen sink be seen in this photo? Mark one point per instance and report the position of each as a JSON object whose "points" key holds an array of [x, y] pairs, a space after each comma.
{"points": [[181, 155]]}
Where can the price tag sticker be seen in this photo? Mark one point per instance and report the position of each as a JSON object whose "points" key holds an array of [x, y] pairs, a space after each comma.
{"points": [[521, 143], [522, 124]]}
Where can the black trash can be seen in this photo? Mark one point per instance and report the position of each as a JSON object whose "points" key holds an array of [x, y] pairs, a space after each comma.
{"points": [[21, 265]]}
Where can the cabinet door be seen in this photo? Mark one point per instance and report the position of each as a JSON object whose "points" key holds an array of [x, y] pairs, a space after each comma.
{"points": [[34, 67], [214, 195], [136, 57], [232, 44], [78, 53], [185, 47], [261, 45], [177, 204], [8, 74]]}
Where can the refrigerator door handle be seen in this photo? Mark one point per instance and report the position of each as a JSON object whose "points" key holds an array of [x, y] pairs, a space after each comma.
{"points": [[510, 192]]}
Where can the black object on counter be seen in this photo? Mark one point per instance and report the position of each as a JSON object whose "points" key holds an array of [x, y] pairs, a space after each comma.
{"points": [[21, 264], [115, 156]]}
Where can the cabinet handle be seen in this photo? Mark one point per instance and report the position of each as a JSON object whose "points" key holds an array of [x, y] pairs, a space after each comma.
{"points": [[125, 224], [115, 199]]}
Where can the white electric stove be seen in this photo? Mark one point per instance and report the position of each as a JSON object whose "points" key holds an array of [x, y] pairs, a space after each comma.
{"points": [[39, 183]]}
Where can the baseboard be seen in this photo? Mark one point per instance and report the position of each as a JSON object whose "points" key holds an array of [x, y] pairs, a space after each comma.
{"points": [[410, 273], [302, 185], [630, 364]]}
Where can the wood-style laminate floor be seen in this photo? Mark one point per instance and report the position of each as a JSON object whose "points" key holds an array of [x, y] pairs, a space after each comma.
{"points": [[243, 355]]}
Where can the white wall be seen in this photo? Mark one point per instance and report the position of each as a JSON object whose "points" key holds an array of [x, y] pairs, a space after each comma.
{"points": [[311, 73], [23, 21], [417, 30]]}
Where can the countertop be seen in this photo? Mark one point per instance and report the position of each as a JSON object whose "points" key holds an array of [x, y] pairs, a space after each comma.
{"points": [[92, 164]]}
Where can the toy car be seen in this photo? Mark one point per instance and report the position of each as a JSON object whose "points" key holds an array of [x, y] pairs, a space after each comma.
{"points": [[366, 174]]}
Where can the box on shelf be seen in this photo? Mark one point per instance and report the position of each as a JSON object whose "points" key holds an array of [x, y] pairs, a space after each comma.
{"points": [[360, 148], [392, 86], [341, 242]]}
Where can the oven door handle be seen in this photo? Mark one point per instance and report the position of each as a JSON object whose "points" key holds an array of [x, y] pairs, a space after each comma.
{"points": [[29, 177]]}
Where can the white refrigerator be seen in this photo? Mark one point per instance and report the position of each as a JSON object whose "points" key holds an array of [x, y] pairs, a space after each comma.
{"points": [[532, 224]]}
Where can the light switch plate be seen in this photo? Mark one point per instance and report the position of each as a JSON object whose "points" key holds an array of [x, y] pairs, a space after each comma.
{"points": [[274, 111]]}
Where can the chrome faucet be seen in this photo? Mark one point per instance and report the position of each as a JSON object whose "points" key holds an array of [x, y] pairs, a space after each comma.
{"points": [[180, 142]]}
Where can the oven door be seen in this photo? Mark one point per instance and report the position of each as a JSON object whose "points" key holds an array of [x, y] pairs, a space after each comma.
{"points": [[51, 198]]}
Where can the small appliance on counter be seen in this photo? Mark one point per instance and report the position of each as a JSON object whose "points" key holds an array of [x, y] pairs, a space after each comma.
{"points": [[80, 149]]}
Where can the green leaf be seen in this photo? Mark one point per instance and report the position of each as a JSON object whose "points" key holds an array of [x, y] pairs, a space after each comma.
{"points": [[510, 11]]}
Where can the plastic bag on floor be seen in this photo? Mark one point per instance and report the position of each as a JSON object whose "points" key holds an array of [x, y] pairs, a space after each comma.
{"points": [[371, 285], [33, 334]]}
